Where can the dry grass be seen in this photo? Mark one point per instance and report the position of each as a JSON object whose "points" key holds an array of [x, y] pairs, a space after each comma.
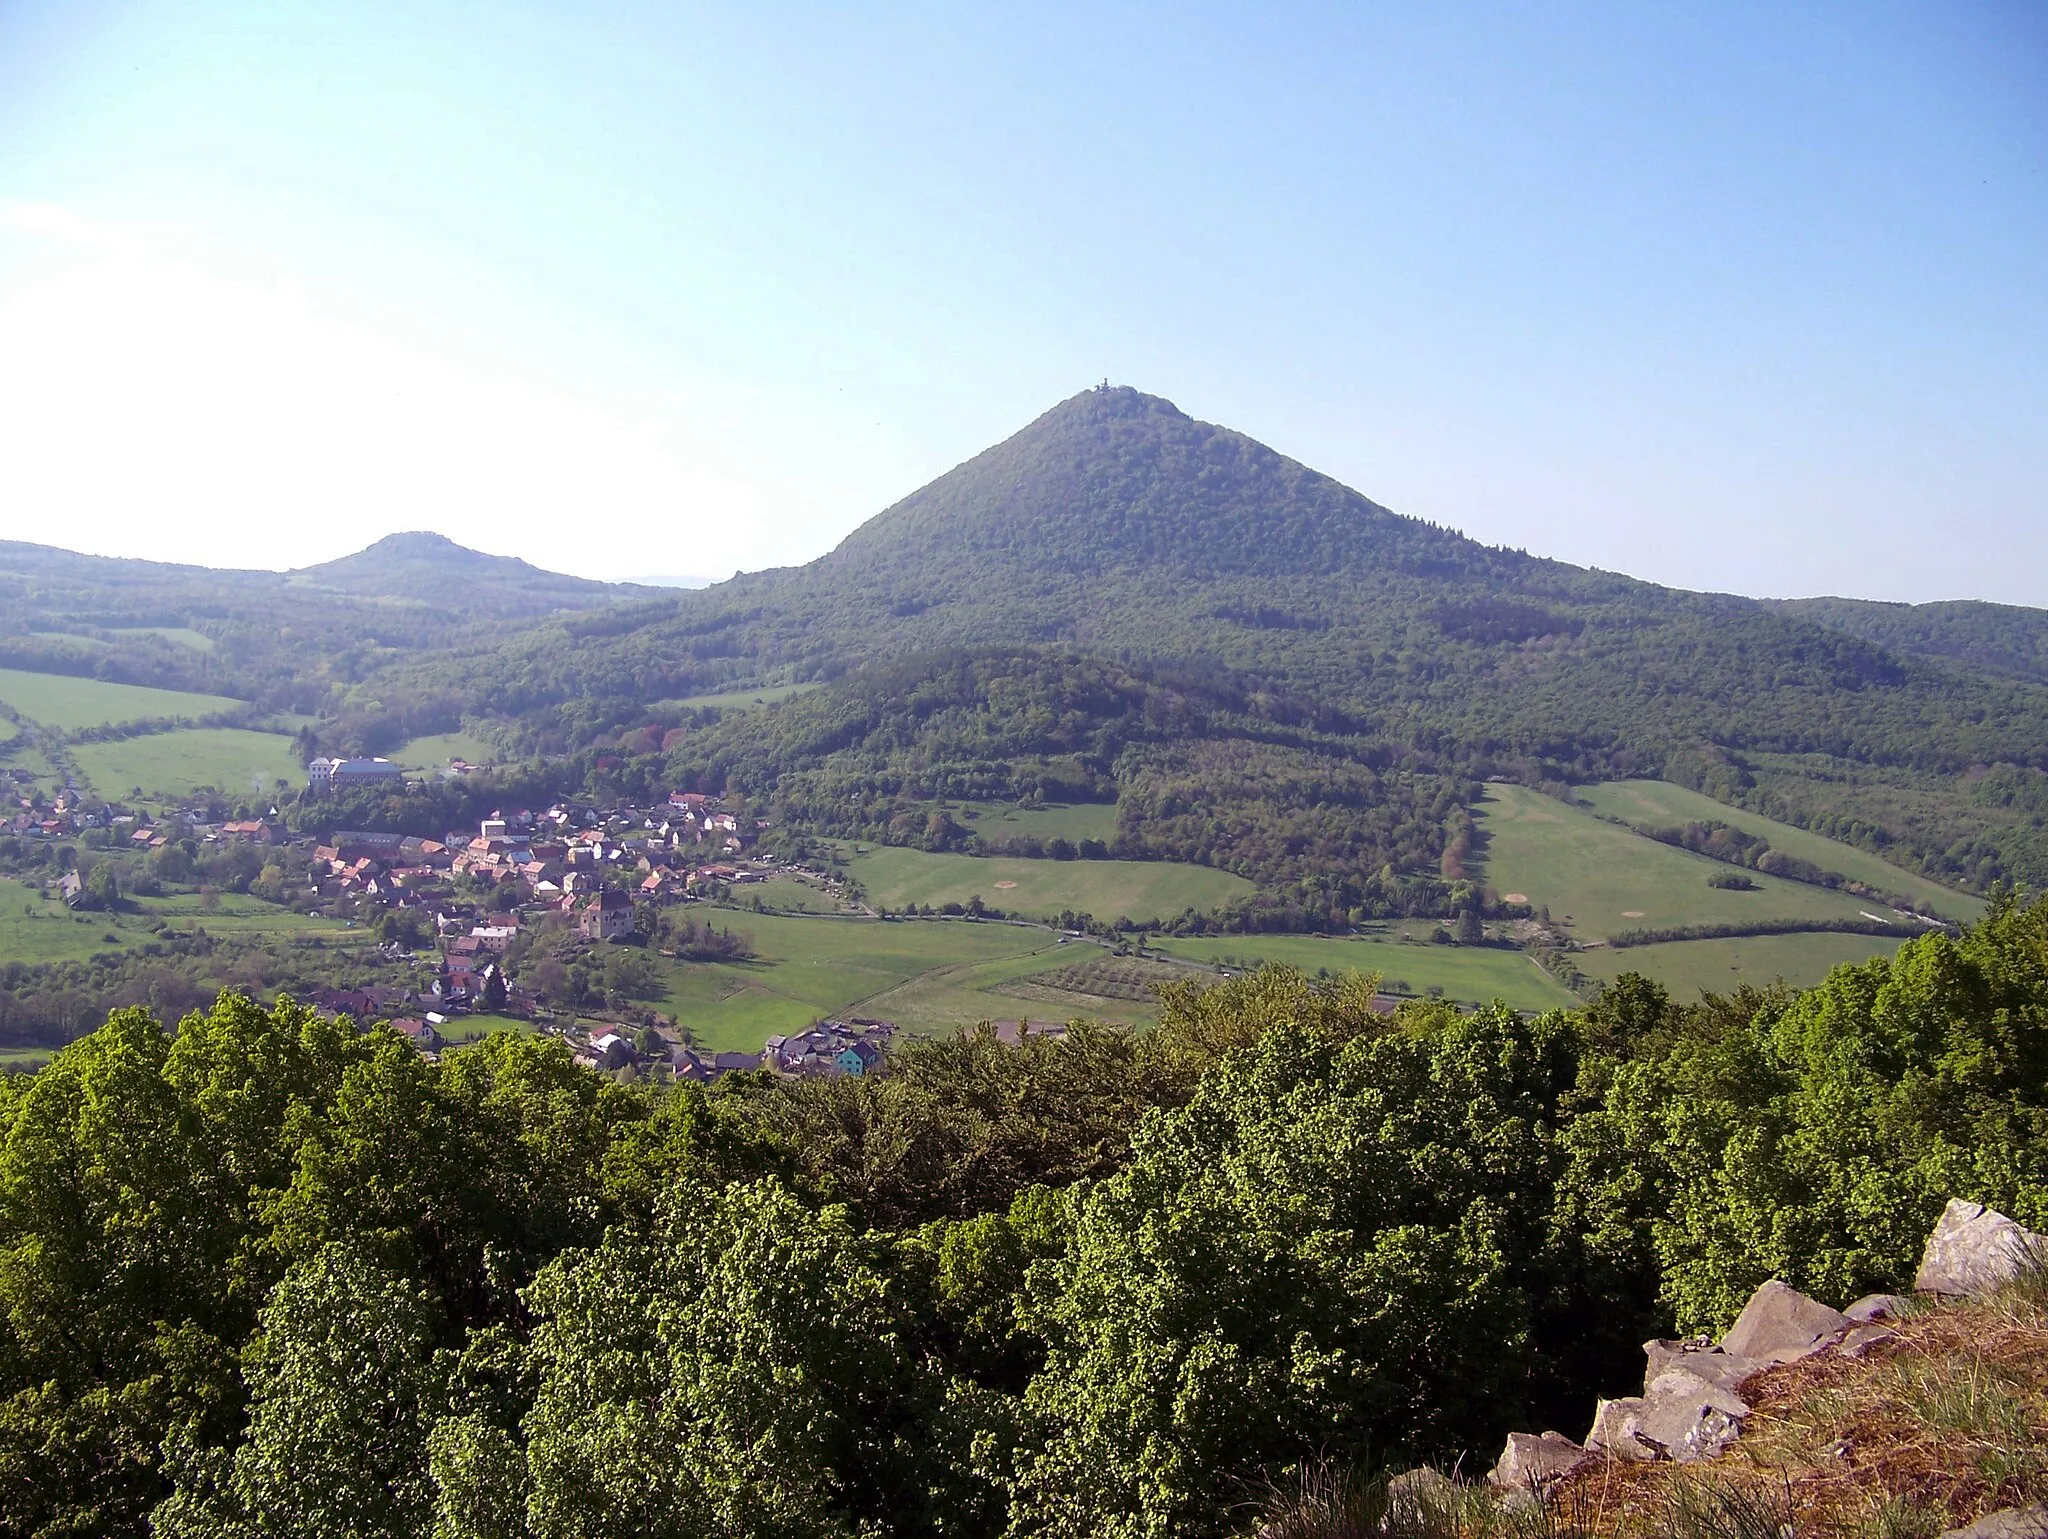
{"points": [[1929, 1432]]}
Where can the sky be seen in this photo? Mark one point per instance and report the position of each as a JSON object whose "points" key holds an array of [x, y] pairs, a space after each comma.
{"points": [[1745, 297]]}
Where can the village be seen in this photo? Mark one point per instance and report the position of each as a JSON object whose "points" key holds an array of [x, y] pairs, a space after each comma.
{"points": [[471, 908]]}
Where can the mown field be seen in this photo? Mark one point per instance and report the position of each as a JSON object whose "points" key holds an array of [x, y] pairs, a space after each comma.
{"points": [[1691, 968], [433, 753], [737, 699], [39, 929], [923, 974], [1108, 889], [229, 759], [1599, 879], [1073, 821], [786, 892], [1466, 974], [1659, 804], [57, 700]]}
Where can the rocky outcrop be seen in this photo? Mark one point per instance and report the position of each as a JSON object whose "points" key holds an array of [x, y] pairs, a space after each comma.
{"points": [[2013, 1523], [1691, 1407], [1698, 1355], [1975, 1249], [1530, 1462], [1876, 1306], [1782, 1325]]}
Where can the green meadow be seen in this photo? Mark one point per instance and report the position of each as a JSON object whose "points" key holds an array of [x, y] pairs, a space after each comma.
{"points": [[1659, 804], [1467, 974], [737, 699], [433, 753], [1140, 889], [38, 929], [787, 893], [57, 700], [1073, 821], [809, 968], [229, 759], [1599, 878], [1691, 968]]}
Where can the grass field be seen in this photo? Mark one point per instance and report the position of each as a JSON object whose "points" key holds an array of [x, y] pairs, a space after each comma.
{"points": [[66, 703], [1141, 889], [37, 929], [1467, 974], [433, 753], [1659, 804], [1691, 968], [462, 1030], [786, 892], [1073, 821], [229, 759], [809, 968], [738, 699], [1600, 879]]}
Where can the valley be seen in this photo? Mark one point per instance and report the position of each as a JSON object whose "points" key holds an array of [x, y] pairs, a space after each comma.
{"points": [[1215, 709]]}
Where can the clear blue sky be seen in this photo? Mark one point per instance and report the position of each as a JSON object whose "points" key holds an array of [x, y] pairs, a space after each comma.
{"points": [[1750, 297]]}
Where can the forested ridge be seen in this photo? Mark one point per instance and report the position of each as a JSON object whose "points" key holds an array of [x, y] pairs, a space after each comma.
{"points": [[261, 1273], [1119, 530]]}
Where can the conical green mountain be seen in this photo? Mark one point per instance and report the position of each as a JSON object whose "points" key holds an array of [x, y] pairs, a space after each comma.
{"points": [[1118, 526]]}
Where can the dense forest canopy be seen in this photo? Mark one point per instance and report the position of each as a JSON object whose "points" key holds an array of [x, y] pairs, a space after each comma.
{"points": [[261, 1273]]}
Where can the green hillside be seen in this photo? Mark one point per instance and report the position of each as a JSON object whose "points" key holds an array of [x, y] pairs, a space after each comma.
{"points": [[1659, 804], [1996, 638], [56, 700], [1599, 880], [1118, 526]]}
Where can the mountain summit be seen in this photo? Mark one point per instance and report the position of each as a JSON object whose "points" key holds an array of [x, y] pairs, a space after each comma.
{"points": [[1116, 478]]}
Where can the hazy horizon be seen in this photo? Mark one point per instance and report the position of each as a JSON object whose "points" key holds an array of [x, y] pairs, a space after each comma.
{"points": [[1746, 302]]}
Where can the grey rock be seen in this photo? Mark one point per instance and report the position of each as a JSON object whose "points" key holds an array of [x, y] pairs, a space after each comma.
{"points": [[1615, 1429], [1420, 1484], [1876, 1306], [1975, 1249], [1862, 1340], [1688, 1418], [1781, 1325], [1529, 1461], [1699, 1356], [2013, 1523]]}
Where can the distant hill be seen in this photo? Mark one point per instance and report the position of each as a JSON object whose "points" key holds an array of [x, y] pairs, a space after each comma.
{"points": [[2004, 639], [426, 566], [282, 640]]}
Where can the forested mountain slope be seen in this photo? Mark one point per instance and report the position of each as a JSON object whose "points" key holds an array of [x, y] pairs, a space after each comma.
{"points": [[2004, 639], [1118, 526], [281, 640]]}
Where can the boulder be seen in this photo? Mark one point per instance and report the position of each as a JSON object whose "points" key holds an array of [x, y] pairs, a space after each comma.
{"points": [[1615, 1429], [1687, 1418], [1876, 1306], [2012, 1523], [1975, 1249], [1530, 1461], [1698, 1355], [1862, 1340], [1782, 1325]]}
